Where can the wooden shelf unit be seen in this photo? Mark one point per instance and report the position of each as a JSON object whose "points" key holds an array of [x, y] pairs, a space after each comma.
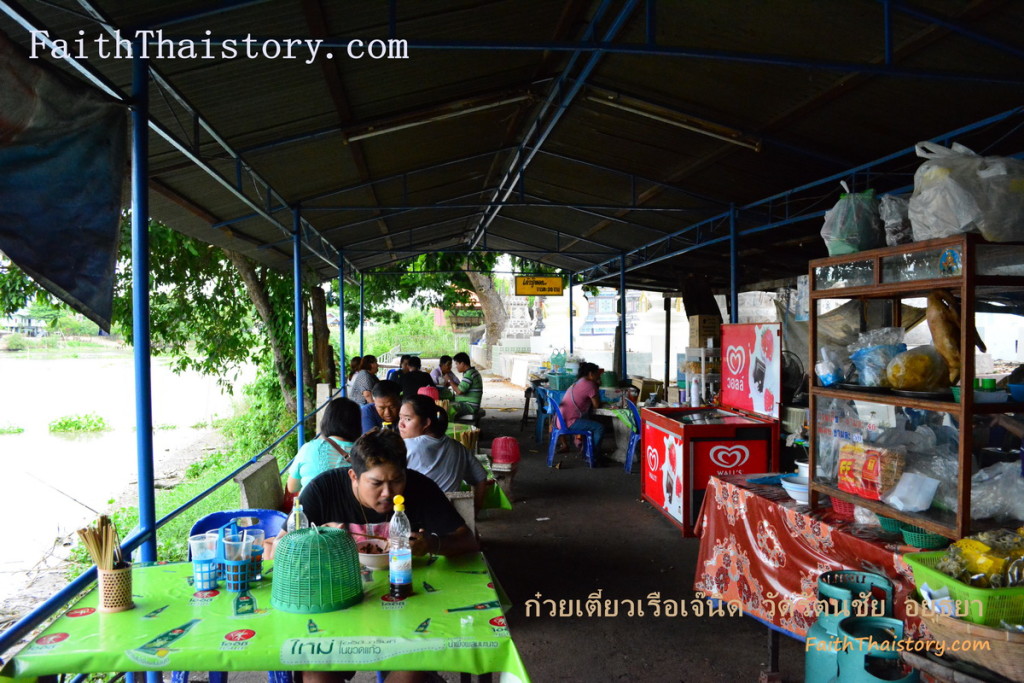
{"points": [[869, 275]]}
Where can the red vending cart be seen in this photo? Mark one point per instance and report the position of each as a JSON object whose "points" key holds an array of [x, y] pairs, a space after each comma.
{"points": [[683, 447]]}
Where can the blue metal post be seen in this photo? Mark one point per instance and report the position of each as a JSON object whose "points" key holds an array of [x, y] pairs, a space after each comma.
{"points": [[343, 365], [362, 303], [622, 311], [734, 268], [140, 298], [300, 390], [570, 312]]}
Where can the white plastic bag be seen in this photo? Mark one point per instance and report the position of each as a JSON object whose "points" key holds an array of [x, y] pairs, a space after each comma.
{"points": [[913, 492], [852, 225], [893, 210], [998, 491], [958, 191]]}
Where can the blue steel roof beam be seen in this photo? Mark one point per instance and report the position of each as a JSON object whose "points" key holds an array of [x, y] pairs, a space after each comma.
{"points": [[528, 245], [787, 195], [331, 256], [953, 26], [589, 211], [376, 238], [498, 204], [34, 26], [519, 163], [643, 50]]}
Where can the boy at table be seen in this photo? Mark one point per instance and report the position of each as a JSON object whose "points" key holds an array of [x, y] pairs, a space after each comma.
{"points": [[469, 393], [356, 497]]}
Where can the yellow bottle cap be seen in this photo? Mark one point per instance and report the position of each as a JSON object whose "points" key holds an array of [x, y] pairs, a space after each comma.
{"points": [[399, 503]]}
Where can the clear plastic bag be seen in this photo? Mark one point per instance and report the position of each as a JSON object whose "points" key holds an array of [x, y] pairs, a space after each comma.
{"points": [[919, 369], [872, 352], [830, 369], [959, 191], [894, 211], [998, 491], [939, 463], [852, 225]]}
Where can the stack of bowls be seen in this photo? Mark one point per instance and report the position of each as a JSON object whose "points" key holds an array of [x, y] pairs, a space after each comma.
{"points": [[796, 487]]}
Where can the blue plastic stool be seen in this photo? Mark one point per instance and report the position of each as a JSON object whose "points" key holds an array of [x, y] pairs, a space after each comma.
{"points": [[634, 438], [540, 395], [560, 429]]}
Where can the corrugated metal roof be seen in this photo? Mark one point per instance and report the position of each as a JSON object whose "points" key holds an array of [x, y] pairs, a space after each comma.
{"points": [[386, 157]]}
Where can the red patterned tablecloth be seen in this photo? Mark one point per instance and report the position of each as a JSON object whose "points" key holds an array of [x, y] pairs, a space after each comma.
{"points": [[764, 549]]}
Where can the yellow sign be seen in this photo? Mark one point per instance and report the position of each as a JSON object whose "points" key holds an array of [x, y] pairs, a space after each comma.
{"points": [[538, 285]]}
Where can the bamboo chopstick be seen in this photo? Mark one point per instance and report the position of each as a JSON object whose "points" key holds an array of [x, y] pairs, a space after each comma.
{"points": [[103, 544]]}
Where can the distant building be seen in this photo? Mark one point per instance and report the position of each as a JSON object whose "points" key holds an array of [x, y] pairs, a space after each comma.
{"points": [[24, 324]]}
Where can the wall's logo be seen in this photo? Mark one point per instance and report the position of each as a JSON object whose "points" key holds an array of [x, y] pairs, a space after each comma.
{"points": [[728, 457], [736, 359], [652, 458]]}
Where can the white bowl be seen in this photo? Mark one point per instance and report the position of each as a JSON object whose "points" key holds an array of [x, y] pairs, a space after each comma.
{"points": [[378, 560], [794, 480], [798, 493], [803, 468]]}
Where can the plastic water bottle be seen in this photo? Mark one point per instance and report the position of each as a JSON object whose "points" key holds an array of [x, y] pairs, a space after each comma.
{"points": [[297, 519], [695, 395], [399, 553]]}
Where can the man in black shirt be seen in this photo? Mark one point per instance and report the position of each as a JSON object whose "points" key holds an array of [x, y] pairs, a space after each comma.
{"points": [[415, 378], [352, 498]]}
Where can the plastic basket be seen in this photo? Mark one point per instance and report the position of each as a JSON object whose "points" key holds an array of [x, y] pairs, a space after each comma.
{"points": [[1003, 651], [316, 570], [843, 508], [919, 538], [560, 382], [893, 526], [986, 606]]}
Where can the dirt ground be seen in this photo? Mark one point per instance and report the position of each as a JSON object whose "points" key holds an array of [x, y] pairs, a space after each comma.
{"points": [[573, 531]]}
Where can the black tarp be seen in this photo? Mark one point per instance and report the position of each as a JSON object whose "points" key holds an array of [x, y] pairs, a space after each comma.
{"points": [[62, 166]]}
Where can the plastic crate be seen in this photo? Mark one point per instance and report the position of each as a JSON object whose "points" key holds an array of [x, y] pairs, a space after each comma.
{"points": [[987, 606], [560, 382]]}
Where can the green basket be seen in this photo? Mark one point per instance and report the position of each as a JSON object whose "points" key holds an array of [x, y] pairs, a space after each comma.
{"points": [[919, 538], [316, 570], [893, 526], [561, 382], [988, 606]]}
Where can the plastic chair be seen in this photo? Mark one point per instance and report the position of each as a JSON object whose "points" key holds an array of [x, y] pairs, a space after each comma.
{"points": [[271, 522], [560, 429], [540, 394], [634, 438]]}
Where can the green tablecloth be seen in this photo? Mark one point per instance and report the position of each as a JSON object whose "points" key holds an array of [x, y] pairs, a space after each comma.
{"points": [[452, 622]]}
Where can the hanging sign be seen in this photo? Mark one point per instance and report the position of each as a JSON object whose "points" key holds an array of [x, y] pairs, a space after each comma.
{"points": [[752, 367], [538, 285]]}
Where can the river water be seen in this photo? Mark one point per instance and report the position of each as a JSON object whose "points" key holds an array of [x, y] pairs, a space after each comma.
{"points": [[51, 478]]}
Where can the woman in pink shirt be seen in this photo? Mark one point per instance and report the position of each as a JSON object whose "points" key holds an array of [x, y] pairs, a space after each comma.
{"points": [[584, 394]]}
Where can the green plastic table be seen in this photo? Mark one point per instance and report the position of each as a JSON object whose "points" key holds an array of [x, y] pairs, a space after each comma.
{"points": [[452, 622]]}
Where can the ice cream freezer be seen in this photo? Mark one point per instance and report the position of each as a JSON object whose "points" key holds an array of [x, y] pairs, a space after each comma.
{"points": [[683, 447]]}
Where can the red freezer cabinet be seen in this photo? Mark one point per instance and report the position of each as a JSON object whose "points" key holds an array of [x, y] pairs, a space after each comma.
{"points": [[683, 447]]}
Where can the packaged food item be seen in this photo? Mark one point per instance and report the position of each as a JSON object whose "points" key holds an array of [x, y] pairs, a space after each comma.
{"points": [[869, 471], [990, 559]]}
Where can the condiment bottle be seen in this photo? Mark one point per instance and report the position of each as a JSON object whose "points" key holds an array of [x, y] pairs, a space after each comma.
{"points": [[400, 552]]}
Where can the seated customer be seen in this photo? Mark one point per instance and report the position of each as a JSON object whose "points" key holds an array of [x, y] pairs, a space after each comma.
{"points": [[394, 374], [584, 394], [338, 431], [362, 382], [382, 411], [442, 375], [469, 393], [415, 378], [356, 497], [422, 424], [353, 366]]}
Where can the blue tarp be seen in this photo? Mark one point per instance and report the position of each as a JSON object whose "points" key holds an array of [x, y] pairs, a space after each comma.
{"points": [[62, 166]]}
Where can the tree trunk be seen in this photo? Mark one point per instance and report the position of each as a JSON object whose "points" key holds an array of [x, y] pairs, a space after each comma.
{"points": [[495, 317], [261, 300], [323, 355]]}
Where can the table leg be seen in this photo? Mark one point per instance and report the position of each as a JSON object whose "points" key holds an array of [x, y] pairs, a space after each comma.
{"points": [[526, 408], [772, 674]]}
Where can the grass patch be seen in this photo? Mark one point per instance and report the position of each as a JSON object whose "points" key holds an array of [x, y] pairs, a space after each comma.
{"points": [[89, 422], [165, 428], [11, 430]]}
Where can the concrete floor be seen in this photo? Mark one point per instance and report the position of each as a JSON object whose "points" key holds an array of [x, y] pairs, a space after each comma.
{"points": [[576, 530]]}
